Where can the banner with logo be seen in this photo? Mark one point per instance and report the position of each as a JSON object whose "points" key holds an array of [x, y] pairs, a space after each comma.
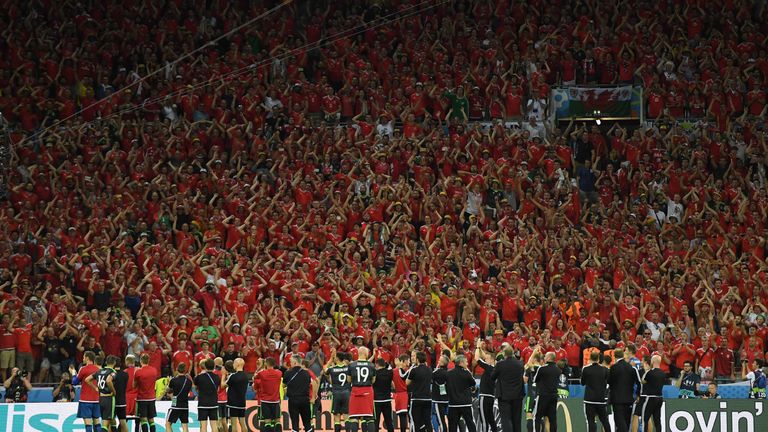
{"points": [[678, 415], [624, 102]]}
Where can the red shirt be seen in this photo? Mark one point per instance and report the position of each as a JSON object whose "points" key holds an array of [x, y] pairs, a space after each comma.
{"points": [[398, 381], [267, 385], [724, 363], [130, 391], [87, 393], [23, 338], [628, 313], [203, 356], [144, 380], [155, 358], [683, 355], [7, 338], [222, 394], [180, 357], [705, 357]]}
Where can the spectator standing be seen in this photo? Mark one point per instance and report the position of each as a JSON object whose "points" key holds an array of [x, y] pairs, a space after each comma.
{"points": [[724, 361], [7, 346]]}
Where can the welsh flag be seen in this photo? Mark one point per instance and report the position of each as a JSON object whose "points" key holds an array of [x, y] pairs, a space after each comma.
{"points": [[586, 101]]}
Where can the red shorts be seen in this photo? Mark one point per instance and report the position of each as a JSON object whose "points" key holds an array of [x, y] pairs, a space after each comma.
{"points": [[130, 405], [401, 402], [361, 402]]}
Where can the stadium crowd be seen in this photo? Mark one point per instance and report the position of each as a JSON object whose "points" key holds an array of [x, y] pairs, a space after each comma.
{"points": [[264, 197]]}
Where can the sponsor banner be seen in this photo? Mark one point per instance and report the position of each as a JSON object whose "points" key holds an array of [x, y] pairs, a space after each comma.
{"points": [[678, 415], [62, 417], [609, 102]]}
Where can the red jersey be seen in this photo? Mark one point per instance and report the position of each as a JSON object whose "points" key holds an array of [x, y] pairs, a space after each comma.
{"points": [[7, 338], [131, 392], [144, 381], [222, 394], [23, 338], [398, 381], [266, 383], [705, 357], [88, 394], [180, 357], [203, 356]]}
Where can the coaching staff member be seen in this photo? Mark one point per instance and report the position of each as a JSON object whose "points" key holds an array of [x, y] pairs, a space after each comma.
{"points": [[547, 379], [179, 388], [237, 387], [508, 376], [419, 381], [298, 385], [382, 396], [653, 383], [460, 384], [622, 379], [207, 384], [594, 378]]}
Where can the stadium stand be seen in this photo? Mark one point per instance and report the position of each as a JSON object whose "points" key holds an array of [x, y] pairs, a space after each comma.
{"points": [[323, 176]]}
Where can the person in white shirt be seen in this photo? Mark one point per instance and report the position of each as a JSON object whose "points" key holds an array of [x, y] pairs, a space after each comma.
{"points": [[675, 208]]}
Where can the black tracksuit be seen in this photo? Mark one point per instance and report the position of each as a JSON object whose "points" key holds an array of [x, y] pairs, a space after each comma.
{"points": [[460, 385], [382, 399], [440, 396], [420, 394], [298, 385], [547, 379], [653, 383], [622, 379], [595, 380], [487, 398]]}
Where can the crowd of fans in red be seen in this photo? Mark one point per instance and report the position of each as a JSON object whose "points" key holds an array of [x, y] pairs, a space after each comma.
{"points": [[343, 195]]}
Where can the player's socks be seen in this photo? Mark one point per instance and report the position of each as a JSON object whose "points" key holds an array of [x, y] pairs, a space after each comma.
{"points": [[88, 428], [151, 426], [144, 427], [529, 425], [352, 426], [337, 427], [371, 425], [402, 418], [277, 426]]}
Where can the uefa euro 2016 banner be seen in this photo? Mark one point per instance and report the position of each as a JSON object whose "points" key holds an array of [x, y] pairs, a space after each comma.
{"points": [[731, 415]]}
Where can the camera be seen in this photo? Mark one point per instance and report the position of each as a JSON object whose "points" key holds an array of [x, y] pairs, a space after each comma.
{"points": [[22, 373]]}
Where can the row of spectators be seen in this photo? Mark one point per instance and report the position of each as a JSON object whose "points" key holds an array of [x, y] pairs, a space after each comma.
{"points": [[205, 211]]}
